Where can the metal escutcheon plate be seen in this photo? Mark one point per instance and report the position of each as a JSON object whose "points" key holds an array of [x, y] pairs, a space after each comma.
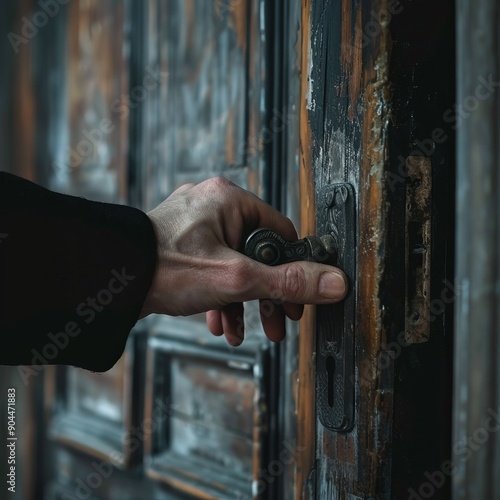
{"points": [[335, 395]]}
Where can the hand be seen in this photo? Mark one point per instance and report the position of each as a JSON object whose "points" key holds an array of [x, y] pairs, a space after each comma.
{"points": [[199, 230]]}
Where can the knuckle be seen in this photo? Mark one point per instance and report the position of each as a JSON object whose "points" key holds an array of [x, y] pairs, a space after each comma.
{"points": [[241, 277], [294, 283], [220, 181], [217, 188]]}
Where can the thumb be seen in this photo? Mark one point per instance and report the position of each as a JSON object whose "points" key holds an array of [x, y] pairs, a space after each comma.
{"points": [[304, 283]]}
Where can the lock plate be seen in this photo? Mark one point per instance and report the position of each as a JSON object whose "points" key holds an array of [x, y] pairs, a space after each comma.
{"points": [[335, 396]]}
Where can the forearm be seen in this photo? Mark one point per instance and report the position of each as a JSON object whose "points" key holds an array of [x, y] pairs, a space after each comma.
{"points": [[73, 276]]}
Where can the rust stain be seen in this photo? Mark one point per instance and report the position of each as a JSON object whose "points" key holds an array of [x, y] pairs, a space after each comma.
{"points": [[351, 54], [372, 235], [346, 448], [306, 412], [239, 13], [346, 37]]}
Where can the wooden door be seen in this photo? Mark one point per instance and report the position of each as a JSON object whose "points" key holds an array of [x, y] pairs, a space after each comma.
{"points": [[159, 94], [377, 163], [341, 114]]}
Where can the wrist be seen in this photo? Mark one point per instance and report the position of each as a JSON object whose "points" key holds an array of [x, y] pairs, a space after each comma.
{"points": [[150, 301]]}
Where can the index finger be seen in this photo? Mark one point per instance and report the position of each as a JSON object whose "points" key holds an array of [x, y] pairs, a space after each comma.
{"points": [[261, 214]]}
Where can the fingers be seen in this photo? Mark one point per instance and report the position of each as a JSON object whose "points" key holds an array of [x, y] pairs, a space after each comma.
{"points": [[232, 323], [272, 315], [256, 213], [266, 216], [273, 320], [227, 321], [293, 311], [214, 322]]}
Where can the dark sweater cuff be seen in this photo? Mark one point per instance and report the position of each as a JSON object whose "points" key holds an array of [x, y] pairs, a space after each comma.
{"points": [[74, 275]]}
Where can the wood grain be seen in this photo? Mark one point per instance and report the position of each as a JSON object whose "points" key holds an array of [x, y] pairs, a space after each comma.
{"points": [[346, 106], [306, 414]]}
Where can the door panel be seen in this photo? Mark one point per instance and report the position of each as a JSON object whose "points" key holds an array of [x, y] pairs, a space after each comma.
{"points": [[92, 148], [286, 99], [370, 99], [346, 113], [212, 441], [177, 78], [194, 124]]}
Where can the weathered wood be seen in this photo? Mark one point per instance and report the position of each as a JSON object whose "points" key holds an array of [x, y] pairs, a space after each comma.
{"points": [[289, 121], [94, 413], [476, 451], [214, 112], [92, 162], [347, 111], [418, 244], [348, 83], [194, 123], [211, 419], [306, 411], [78, 477], [18, 109]]}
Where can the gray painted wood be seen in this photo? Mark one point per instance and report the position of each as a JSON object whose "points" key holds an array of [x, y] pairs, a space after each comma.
{"points": [[477, 348]]}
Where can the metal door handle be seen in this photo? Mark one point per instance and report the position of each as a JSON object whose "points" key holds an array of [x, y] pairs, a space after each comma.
{"points": [[335, 375], [267, 246]]}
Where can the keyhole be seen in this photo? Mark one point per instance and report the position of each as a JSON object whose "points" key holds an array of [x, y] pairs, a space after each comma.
{"points": [[330, 370]]}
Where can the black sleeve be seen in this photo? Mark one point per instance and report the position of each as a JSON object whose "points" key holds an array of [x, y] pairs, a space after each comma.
{"points": [[73, 276]]}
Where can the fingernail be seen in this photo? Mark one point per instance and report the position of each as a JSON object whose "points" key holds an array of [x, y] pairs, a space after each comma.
{"points": [[233, 341], [332, 285]]}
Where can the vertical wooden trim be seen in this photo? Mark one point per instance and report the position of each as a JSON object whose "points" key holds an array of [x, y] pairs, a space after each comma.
{"points": [[306, 414], [476, 439], [23, 119], [345, 110]]}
